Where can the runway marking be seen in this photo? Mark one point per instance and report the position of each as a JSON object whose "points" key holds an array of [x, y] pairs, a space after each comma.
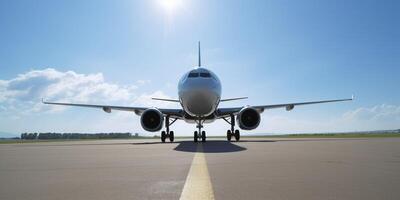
{"points": [[198, 183]]}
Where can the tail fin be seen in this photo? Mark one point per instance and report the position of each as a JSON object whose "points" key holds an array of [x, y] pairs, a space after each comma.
{"points": [[199, 56]]}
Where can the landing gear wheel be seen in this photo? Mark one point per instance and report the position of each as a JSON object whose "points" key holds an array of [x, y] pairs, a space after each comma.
{"points": [[229, 135], [203, 136], [171, 136], [163, 136], [237, 135], [195, 136]]}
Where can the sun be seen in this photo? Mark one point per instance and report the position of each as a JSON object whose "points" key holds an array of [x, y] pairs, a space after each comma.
{"points": [[171, 6]]}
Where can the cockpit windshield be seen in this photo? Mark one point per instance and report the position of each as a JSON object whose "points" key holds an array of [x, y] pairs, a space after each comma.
{"points": [[205, 75], [201, 74], [193, 75]]}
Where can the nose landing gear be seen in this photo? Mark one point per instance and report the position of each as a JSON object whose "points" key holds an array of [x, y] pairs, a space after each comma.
{"points": [[199, 134]]}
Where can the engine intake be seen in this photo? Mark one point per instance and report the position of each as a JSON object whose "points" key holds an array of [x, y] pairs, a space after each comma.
{"points": [[248, 118], [152, 120]]}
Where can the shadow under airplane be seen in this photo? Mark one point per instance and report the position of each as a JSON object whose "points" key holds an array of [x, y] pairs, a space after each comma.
{"points": [[209, 147]]}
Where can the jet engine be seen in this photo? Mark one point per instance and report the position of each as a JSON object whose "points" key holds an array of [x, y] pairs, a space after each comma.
{"points": [[248, 118], [152, 120]]}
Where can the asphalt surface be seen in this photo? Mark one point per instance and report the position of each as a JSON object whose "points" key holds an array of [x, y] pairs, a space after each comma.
{"points": [[273, 168]]}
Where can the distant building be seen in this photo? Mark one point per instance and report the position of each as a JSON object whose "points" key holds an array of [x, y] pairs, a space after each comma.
{"points": [[136, 134]]}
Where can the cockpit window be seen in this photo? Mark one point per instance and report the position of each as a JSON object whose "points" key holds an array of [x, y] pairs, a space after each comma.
{"points": [[205, 75], [192, 75]]}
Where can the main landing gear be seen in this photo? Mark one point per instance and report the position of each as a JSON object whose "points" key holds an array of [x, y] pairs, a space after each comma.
{"points": [[232, 132], [168, 134], [199, 134]]}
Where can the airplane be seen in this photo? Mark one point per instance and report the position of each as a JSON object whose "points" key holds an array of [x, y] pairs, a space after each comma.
{"points": [[199, 92]]}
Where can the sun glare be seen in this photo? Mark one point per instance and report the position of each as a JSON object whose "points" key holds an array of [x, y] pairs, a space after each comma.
{"points": [[171, 6]]}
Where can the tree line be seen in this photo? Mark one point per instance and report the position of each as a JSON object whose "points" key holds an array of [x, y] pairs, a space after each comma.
{"points": [[49, 136]]}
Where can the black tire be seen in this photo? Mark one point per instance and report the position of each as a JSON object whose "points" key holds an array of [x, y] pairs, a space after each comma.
{"points": [[203, 136], [171, 136], [237, 135], [229, 135], [163, 136], [195, 136]]}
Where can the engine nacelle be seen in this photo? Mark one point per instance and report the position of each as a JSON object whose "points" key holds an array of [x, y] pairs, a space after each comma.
{"points": [[152, 120], [248, 118]]}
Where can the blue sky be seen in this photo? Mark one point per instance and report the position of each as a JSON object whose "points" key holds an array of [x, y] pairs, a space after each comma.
{"points": [[123, 52]]}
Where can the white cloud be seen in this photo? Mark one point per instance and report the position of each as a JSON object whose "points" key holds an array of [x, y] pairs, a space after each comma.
{"points": [[22, 94], [20, 101], [143, 82], [20, 98], [379, 117], [376, 113], [145, 100]]}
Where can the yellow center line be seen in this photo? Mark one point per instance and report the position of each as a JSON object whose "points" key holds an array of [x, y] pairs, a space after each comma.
{"points": [[198, 184]]}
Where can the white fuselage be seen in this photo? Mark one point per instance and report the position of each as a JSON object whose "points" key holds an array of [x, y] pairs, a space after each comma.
{"points": [[199, 93]]}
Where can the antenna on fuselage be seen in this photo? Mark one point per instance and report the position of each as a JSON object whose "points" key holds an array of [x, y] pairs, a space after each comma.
{"points": [[199, 56]]}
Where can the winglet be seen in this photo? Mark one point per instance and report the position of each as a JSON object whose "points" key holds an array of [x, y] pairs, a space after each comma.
{"points": [[199, 55], [352, 97]]}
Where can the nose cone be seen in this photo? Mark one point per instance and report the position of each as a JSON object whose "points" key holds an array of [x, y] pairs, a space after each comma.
{"points": [[200, 102], [199, 92]]}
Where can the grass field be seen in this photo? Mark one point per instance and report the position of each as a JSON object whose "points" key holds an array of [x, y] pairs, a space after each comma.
{"points": [[320, 135], [336, 135], [15, 141]]}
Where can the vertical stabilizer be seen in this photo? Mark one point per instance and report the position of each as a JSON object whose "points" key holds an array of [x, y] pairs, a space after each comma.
{"points": [[199, 56]]}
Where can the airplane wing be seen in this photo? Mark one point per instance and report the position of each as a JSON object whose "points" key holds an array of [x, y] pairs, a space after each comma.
{"points": [[224, 112], [174, 113], [170, 100], [233, 99]]}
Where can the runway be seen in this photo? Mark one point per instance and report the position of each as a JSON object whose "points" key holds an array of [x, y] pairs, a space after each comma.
{"points": [[256, 168]]}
